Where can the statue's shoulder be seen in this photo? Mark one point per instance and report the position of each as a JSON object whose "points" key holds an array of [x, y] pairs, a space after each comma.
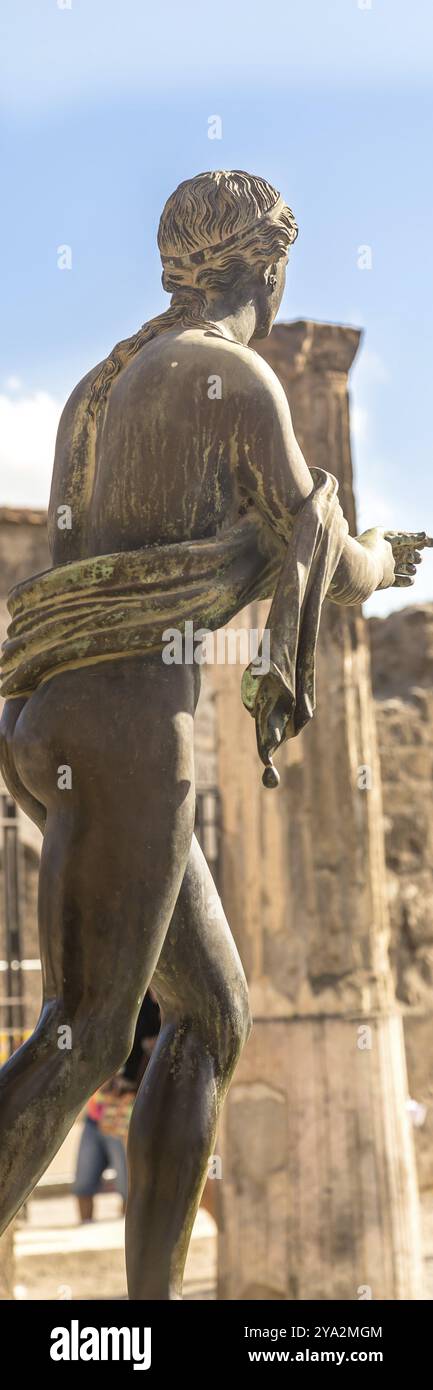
{"points": [[242, 366], [78, 400], [82, 391]]}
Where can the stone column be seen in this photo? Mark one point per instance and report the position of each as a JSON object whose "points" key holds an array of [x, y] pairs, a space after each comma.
{"points": [[7, 1263], [318, 1195]]}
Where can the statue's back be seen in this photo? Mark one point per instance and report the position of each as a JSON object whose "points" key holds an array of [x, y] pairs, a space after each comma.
{"points": [[159, 464]]}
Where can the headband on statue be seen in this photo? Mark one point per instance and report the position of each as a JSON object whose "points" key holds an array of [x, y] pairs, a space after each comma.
{"points": [[216, 248]]}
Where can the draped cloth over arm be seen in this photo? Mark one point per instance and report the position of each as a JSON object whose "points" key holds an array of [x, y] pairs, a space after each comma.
{"points": [[311, 558], [107, 607]]}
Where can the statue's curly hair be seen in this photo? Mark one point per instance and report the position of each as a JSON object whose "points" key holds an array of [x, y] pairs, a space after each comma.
{"points": [[212, 230]]}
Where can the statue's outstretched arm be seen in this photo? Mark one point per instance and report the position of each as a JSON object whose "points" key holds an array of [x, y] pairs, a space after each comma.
{"points": [[273, 471], [400, 552]]}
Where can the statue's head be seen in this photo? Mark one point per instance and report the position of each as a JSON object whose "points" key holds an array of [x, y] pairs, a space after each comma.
{"points": [[224, 239], [226, 235]]}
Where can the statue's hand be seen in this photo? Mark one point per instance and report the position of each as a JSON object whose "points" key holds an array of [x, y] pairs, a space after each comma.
{"points": [[397, 552], [382, 557], [406, 547], [270, 714]]}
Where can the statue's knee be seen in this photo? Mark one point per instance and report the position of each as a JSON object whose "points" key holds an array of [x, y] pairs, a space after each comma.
{"points": [[245, 1022], [248, 1022], [103, 1039], [234, 1026], [117, 1048]]}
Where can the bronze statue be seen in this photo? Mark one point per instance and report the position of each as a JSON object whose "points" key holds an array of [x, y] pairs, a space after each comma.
{"points": [[179, 491]]}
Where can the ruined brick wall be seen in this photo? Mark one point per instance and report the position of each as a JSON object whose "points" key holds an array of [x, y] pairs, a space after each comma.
{"points": [[402, 673]]}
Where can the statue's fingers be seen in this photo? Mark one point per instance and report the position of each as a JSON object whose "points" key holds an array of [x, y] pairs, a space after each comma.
{"points": [[418, 539], [402, 581], [407, 567], [402, 540], [399, 546], [405, 537], [414, 557]]}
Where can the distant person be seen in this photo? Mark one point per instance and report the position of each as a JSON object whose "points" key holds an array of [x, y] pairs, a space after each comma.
{"points": [[107, 1115]]}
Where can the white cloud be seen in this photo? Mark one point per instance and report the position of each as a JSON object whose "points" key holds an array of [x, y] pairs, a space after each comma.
{"points": [[28, 426], [13, 383]]}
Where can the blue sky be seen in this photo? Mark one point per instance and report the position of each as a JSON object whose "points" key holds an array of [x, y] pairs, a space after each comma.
{"points": [[105, 108]]}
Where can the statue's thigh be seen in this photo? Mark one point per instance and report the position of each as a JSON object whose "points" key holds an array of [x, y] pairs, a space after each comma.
{"points": [[199, 971], [106, 894]]}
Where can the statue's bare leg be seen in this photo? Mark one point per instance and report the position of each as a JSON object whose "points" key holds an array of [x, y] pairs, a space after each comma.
{"points": [[201, 987], [115, 848]]}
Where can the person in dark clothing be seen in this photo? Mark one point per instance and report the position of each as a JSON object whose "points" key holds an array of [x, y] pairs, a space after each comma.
{"points": [[146, 1032]]}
